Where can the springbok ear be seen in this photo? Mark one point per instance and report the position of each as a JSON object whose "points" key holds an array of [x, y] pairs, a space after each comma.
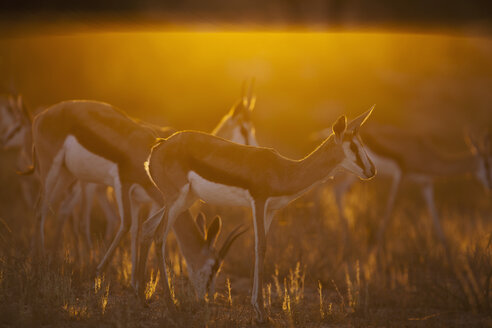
{"points": [[238, 107], [244, 95], [252, 103], [201, 223], [248, 98], [214, 231], [339, 128], [360, 120], [251, 95]]}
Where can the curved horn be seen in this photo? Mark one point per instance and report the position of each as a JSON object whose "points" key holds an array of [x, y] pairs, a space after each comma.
{"points": [[244, 97], [238, 231], [359, 120], [201, 223], [251, 96]]}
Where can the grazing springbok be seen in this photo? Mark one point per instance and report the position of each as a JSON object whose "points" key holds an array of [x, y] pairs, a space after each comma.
{"points": [[98, 143], [192, 165], [404, 157], [16, 133]]}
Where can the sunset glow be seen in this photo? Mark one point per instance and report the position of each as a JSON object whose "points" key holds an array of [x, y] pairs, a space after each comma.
{"points": [[167, 164]]}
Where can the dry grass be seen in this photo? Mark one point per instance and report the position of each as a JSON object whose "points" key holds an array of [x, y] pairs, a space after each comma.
{"points": [[310, 280]]}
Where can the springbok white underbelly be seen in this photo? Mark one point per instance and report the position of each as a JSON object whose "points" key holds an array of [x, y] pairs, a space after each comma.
{"points": [[87, 166], [279, 202], [218, 194]]}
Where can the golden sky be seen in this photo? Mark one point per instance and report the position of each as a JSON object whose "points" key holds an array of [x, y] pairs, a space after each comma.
{"points": [[303, 80]]}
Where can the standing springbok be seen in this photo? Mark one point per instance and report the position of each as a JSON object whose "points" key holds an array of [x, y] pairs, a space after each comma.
{"points": [[94, 142], [401, 156], [16, 133], [193, 165]]}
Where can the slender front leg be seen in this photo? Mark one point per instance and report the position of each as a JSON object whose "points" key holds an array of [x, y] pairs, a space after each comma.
{"points": [[53, 197], [268, 219], [109, 212], [339, 200], [66, 210], [149, 228], [124, 205], [258, 209], [184, 200], [134, 234], [87, 201], [75, 224], [428, 193], [390, 204], [160, 249]]}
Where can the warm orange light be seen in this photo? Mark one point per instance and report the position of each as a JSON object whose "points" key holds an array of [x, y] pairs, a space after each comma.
{"points": [[304, 80]]}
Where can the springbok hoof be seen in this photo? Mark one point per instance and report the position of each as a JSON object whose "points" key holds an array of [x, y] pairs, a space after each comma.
{"points": [[263, 321], [99, 271], [261, 317]]}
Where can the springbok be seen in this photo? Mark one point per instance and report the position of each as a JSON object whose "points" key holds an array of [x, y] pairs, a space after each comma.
{"points": [[98, 143], [192, 165], [404, 157], [16, 133], [236, 126]]}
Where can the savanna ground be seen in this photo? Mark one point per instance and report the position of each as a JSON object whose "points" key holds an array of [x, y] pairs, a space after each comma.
{"points": [[430, 84], [310, 280]]}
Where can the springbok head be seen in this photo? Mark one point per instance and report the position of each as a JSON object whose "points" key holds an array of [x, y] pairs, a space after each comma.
{"points": [[347, 137], [204, 270], [481, 148], [14, 120], [236, 125]]}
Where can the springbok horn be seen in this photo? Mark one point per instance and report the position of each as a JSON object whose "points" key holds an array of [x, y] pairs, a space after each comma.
{"points": [[251, 96], [244, 97], [238, 231], [358, 121], [201, 224]]}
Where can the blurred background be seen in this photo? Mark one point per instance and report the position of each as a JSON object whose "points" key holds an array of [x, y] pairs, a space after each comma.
{"points": [[426, 65]]}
